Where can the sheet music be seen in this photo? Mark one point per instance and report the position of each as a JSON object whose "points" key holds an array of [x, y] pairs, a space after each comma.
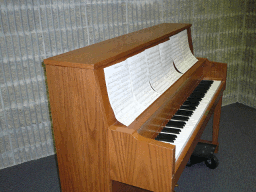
{"points": [[136, 83], [156, 71], [142, 91], [189, 58], [181, 53], [120, 93], [177, 53], [170, 73]]}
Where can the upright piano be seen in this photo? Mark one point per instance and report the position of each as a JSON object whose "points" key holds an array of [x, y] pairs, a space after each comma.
{"points": [[95, 152]]}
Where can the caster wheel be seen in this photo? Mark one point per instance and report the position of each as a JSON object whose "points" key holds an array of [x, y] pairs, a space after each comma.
{"points": [[212, 162]]}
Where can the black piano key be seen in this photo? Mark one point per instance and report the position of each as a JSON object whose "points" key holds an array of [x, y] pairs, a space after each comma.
{"points": [[200, 90], [187, 107], [190, 103], [178, 121], [201, 85], [206, 82], [180, 118], [184, 113], [196, 95], [178, 124], [171, 130], [193, 100], [166, 137]]}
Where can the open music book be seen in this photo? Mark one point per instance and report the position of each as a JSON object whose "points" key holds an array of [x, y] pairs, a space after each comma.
{"points": [[134, 84]]}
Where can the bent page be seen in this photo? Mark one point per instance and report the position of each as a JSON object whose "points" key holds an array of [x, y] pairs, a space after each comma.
{"points": [[142, 90], [170, 73], [177, 53], [189, 58], [155, 70], [120, 93], [181, 53]]}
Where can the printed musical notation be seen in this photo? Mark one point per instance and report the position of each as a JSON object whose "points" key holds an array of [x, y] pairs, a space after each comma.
{"points": [[120, 93], [134, 84], [181, 53]]}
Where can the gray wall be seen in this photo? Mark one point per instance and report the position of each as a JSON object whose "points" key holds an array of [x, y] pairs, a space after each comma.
{"points": [[32, 30]]}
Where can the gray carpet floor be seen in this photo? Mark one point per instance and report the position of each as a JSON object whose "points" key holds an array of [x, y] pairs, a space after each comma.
{"points": [[235, 173], [237, 155]]}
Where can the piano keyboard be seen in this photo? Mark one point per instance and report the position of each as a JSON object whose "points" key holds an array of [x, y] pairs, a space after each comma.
{"points": [[180, 128]]}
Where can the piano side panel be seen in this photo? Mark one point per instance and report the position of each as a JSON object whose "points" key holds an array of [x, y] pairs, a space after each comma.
{"points": [[216, 123], [141, 162], [101, 83], [79, 130], [218, 71]]}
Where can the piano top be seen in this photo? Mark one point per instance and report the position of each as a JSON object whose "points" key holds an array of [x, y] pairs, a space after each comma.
{"points": [[104, 53]]}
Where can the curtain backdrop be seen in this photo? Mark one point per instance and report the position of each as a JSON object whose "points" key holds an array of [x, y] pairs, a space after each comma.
{"points": [[32, 30]]}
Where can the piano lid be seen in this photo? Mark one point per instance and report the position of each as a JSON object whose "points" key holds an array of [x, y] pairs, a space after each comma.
{"points": [[103, 53]]}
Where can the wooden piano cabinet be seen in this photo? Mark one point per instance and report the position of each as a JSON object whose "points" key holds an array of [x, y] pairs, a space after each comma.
{"points": [[80, 130], [141, 162], [95, 152]]}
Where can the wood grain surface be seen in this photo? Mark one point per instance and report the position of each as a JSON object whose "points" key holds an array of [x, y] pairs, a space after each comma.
{"points": [[105, 52], [79, 129], [95, 152], [141, 162]]}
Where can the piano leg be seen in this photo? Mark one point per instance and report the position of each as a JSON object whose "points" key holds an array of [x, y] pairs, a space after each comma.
{"points": [[216, 123]]}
